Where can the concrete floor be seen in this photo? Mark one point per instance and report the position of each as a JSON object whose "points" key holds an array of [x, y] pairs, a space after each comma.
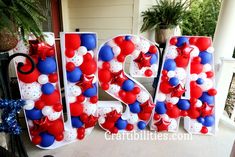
{"points": [[95, 145]]}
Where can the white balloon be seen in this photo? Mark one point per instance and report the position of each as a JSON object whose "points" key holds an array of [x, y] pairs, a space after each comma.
{"points": [[30, 123], [133, 119], [72, 99], [202, 75], [115, 66], [180, 73], [142, 96], [135, 39], [43, 79], [54, 116], [207, 67], [101, 120], [47, 110], [100, 64], [171, 74], [173, 100], [29, 105], [198, 103], [195, 126], [116, 50], [135, 54], [171, 52], [74, 90], [70, 135], [114, 89], [104, 110], [31, 91], [77, 59], [210, 49], [50, 40], [195, 52], [193, 77], [112, 43], [207, 84], [161, 96], [90, 108], [91, 52], [165, 117], [143, 46], [82, 50]]}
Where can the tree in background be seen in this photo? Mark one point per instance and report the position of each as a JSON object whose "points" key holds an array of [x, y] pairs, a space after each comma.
{"points": [[201, 18]]}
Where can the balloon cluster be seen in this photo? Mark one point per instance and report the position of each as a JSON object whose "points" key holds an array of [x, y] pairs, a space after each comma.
{"points": [[81, 81], [115, 82], [9, 110], [40, 90], [181, 53]]}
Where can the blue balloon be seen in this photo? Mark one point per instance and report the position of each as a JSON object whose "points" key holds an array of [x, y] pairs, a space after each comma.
{"points": [[121, 124], [128, 85], [128, 37], [153, 59], [75, 75], [141, 125], [169, 65], [47, 139], [106, 53], [135, 107], [34, 114], [48, 88], [206, 57], [181, 41], [90, 92], [160, 108], [183, 104], [47, 66], [174, 81], [200, 81], [207, 98], [89, 41], [76, 122], [200, 119], [209, 121]]}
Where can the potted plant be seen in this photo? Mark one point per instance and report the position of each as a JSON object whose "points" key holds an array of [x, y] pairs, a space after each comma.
{"points": [[164, 17], [19, 18]]}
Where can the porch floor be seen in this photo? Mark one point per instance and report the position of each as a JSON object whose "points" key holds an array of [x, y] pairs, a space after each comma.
{"points": [[95, 145]]}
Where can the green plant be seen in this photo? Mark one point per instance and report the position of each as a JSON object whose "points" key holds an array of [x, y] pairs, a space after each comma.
{"points": [[201, 18], [165, 14], [23, 15]]}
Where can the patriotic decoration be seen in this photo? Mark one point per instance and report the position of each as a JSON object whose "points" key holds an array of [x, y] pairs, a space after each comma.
{"points": [[186, 87], [122, 87]]}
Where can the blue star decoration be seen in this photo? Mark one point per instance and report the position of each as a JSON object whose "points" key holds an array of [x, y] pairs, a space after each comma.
{"points": [[9, 110]]}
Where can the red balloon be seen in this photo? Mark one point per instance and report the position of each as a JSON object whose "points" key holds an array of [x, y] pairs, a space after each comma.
{"points": [[173, 41], [51, 99], [56, 127], [106, 65], [122, 93], [127, 47], [196, 68], [121, 58], [209, 74], [28, 78], [153, 49], [59, 137], [173, 113], [192, 40], [197, 59], [35, 59], [169, 105], [72, 41], [53, 77], [118, 40], [51, 52], [108, 125], [193, 113], [204, 130], [39, 104], [58, 107], [183, 113], [76, 109], [69, 53], [94, 99], [181, 61], [156, 116], [70, 66], [164, 72], [144, 116], [129, 127], [87, 57], [165, 87], [148, 73], [105, 86], [212, 92], [104, 75], [80, 136], [136, 90], [80, 98], [203, 43], [81, 130], [84, 117], [36, 140], [195, 91], [88, 67], [130, 98], [114, 130]]}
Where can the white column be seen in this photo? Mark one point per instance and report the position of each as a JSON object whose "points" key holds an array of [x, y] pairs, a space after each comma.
{"points": [[224, 37]]}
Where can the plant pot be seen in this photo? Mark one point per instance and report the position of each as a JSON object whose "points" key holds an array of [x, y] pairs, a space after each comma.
{"points": [[8, 40], [162, 35]]}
